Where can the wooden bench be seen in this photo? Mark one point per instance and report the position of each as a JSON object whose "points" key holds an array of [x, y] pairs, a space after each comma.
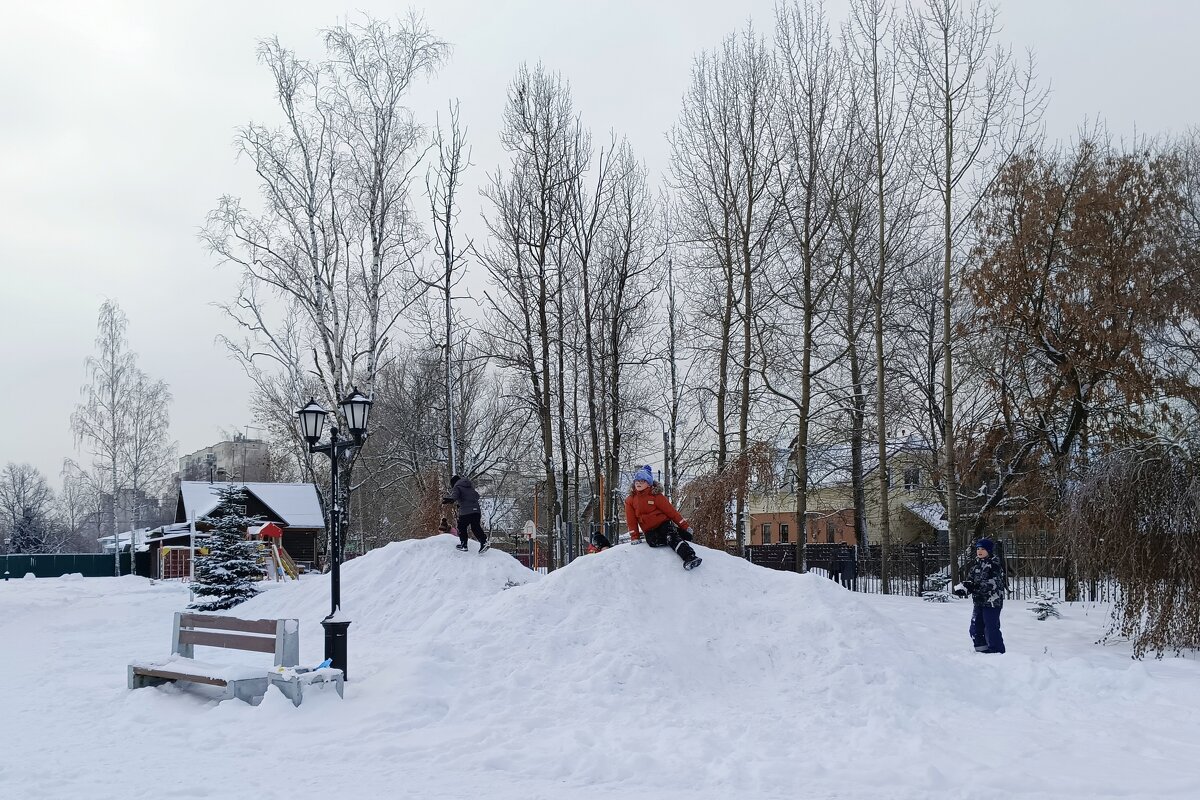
{"points": [[278, 636]]}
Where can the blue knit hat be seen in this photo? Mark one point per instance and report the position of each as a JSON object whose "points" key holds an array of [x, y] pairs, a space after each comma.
{"points": [[644, 473], [986, 544]]}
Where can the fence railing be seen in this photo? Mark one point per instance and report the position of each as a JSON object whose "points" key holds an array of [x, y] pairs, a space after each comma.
{"points": [[1032, 567]]}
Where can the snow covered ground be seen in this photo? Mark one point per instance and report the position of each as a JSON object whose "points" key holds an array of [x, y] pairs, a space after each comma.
{"points": [[620, 676]]}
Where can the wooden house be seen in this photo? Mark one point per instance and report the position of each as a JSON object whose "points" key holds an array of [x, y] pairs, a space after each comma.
{"points": [[293, 507]]}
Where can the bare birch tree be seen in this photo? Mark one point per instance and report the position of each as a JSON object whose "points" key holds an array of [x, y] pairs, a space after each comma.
{"points": [[101, 422], [335, 239]]}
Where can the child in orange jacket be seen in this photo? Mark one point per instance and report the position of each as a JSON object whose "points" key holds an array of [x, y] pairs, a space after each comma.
{"points": [[649, 512]]}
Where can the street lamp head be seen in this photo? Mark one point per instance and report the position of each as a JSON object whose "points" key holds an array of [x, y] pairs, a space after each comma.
{"points": [[312, 420], [356, 407]]}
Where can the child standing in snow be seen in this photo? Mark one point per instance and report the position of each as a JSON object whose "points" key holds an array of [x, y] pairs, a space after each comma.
{"points": [[462, 491], [986, 584], [649, 512]]}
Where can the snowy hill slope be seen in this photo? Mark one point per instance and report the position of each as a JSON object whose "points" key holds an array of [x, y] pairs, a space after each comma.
{"points": [[403, 588], [620, 675]]}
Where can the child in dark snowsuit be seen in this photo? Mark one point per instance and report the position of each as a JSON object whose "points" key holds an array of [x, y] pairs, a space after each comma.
{"points": [[462, 491], [649, 512], [599, 542], [985, 583]]}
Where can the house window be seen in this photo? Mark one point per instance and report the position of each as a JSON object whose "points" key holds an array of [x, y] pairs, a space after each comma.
{"points": [[912, 478], [766, 533], [830, 531], [783, 533]]}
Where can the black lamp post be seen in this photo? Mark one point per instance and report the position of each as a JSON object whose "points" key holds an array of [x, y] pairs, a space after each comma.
{"points": [[356, 407]]}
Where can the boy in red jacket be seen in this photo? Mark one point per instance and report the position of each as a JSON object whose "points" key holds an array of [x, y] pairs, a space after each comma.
{"points": [[649, 512]]}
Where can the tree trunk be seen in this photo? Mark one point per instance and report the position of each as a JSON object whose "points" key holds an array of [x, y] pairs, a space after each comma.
{"points": [[885, 532]]}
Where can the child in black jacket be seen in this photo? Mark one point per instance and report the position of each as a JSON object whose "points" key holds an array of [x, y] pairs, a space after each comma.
{"points": [[985, 583]]}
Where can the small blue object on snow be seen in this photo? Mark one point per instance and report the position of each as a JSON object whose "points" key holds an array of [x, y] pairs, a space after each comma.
{"points": [[325, 663]]}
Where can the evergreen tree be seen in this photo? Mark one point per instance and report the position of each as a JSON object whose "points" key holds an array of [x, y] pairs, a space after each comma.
{"points": [[1043, 605], [229, 574]]}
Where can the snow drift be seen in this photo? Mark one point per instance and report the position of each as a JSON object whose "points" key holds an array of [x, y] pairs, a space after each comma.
{"points": [[620, 675]]}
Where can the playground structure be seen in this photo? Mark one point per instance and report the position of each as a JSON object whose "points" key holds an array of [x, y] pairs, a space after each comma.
{"points": [[175, 561], [275, 560]]}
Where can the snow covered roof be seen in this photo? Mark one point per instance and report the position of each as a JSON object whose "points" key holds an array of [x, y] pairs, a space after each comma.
{"points": [[933, 513], [294, 504]]}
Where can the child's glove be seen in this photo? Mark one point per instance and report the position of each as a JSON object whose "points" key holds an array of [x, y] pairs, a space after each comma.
{"points": [[635, 537], [960, 590]]}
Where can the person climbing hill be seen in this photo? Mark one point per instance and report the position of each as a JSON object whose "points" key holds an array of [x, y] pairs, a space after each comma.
{"points": [[648, 512], [463, 492]]}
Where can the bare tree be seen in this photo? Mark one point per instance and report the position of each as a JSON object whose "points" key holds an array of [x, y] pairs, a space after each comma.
{"points": [[76, 509], [887, 126], [975, 109], [587, 214], [102, 422], [629, 254], [723, 161], [443, 182], [147, 452], [527, 225], [402, 480], [813, 146], [25, 510], [336, 239]]}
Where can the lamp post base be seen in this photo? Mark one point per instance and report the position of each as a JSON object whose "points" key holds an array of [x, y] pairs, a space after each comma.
{"points": [[335, 643]]}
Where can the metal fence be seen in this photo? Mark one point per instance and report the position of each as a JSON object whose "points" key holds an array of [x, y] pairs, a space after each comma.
{"points": [[54, 565], [1032, 566]]}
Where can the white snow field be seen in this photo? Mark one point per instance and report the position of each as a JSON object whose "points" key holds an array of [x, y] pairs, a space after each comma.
{"points": [[619, 676]]}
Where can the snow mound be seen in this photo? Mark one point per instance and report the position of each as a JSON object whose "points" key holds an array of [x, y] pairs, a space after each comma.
{"points": [[401, 588], [620, 675], [634, 616]]}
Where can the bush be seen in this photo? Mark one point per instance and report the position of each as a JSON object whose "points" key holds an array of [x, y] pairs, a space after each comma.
{"points": [[1136, 520], [1043, 605]]}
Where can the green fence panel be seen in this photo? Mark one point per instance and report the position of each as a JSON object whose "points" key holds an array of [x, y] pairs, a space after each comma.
{"points": [[54, 565]]}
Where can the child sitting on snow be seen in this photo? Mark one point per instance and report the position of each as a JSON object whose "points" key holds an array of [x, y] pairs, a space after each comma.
{"points": [[649, 512]]}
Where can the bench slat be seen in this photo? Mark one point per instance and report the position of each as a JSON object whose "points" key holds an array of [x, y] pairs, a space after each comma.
{"points": [[214, 621], [230, 641], [180, 676]]}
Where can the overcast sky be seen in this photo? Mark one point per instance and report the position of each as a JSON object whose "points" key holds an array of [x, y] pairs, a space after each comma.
{"points": [[117, 121]]}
